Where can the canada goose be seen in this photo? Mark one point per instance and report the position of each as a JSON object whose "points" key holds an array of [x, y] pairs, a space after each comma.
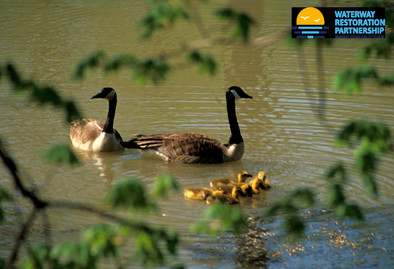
{"points": [[197, 148], [225, 198], [242, 176], [93, 135], [200, 193]]}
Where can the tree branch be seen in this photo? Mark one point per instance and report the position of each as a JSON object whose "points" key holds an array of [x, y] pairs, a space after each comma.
{"points": [[12, 168], [13, 257]]}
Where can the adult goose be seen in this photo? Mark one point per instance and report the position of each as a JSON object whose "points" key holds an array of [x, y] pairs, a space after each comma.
{"points": [[93, 135], [197, 148]]}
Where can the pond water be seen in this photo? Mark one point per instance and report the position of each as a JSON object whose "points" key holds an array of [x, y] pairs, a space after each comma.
{"points": [[282, 132]]}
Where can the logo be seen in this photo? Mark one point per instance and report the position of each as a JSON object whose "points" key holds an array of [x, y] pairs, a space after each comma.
{"points": [[329, 22]]}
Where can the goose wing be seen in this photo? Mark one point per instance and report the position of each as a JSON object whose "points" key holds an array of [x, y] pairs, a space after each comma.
{"points": [[186, 148]]}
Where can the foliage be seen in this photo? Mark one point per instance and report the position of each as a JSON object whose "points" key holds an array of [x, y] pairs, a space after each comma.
{"points": [[242, 22], [153, 69], [381, 48], [205, 62], [42, 95], [230, 219], [290, 206], [164, 184], [105, 240], [130, 194], [162, 15], [61, 154], [351, 79], [369, 139]]}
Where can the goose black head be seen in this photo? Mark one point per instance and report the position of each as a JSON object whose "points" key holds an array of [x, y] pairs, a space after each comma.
{"points": [[238, 93], [105, 93]]}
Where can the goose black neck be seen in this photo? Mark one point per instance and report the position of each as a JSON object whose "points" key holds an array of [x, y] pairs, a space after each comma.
{"points": [[236, 137], [109, 124]]}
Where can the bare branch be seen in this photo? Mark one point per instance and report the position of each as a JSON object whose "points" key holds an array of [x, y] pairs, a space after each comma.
{"points": [[21, 238], [12, 168]]}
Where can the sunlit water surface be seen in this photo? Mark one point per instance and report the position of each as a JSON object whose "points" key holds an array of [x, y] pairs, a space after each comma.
{"points": [[282, 133]]}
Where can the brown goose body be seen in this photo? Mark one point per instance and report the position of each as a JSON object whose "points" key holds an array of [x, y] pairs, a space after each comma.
{"points": [[196, 148], [93, 135]]}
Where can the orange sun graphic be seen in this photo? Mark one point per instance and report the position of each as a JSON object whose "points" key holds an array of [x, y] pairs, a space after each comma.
{"points": [[310, 16]]}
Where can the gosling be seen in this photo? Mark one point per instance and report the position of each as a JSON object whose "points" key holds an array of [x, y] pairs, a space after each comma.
{"points": [[224, 198], [242, 177], [260, 182], [200, 193], [244, 188]]}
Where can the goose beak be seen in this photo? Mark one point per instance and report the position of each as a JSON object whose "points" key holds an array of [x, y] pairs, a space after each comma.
{"points": [[96, 96], [246, 96]]}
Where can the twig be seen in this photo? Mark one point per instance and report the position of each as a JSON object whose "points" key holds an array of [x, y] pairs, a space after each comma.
{"points": [[21, 238], [12, 168]]}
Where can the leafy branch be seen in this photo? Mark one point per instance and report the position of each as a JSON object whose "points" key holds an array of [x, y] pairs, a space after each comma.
{"points": [[98, 241], [42, 95], [369, 139], [164, 15]]}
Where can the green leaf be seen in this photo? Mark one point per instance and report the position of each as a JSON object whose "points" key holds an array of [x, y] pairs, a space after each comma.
{"points": [[163, 15], [91, 61], [294, 227], [61, 154], [273, 210], [353, 211], [370, 184], [337, 170], [172, 242], [230, 219], [13, 75], [155, 70], [72, 112], [147, 250], [119, 61], [100, 239], [302, 197], [350, 79], [377, 134], [205, 62], [335, 195], [46, 95], [227, 13], [129, 194], [242, 22], [164, 184]]}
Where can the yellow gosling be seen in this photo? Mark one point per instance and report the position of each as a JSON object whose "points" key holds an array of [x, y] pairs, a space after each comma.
{"points": [[260, 182], [224, 181], [199, 193], [224, 198], [244, 189], [255, 185], [266, 184]]}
